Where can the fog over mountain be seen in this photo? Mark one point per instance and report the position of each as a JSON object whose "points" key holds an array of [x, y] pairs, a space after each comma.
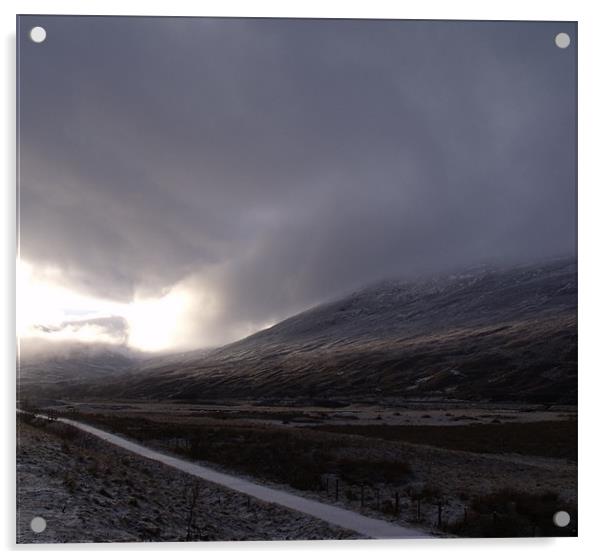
{"points": [[251, 169]]}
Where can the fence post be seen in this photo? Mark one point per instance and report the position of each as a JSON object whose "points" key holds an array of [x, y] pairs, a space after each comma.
{"points": [[336, 487], [396, 502], [362, 494]]}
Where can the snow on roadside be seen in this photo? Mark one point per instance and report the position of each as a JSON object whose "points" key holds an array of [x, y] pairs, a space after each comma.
{"points": [[90, 491]]}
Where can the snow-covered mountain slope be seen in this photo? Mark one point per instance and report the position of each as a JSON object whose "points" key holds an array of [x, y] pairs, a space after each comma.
{"points": [[501, 334]]}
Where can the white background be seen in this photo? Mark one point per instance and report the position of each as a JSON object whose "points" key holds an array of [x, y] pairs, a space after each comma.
{"points": [[590, 268]]}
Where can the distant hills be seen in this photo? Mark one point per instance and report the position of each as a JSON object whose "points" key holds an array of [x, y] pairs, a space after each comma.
{"points": [[57, 366], [488, 334]]}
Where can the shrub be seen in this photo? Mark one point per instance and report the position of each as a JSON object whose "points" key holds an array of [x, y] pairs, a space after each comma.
{"points": [[373, 471], [69, 482], [513, 513]]}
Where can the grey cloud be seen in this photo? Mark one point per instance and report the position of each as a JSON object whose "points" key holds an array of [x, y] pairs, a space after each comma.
{"points": [[114, 328], [282, 162]]}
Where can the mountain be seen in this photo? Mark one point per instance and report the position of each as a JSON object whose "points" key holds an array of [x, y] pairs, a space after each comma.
{"points": [[488, 334], [54, 367]]}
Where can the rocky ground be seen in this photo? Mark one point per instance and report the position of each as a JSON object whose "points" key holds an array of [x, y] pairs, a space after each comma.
{"points": [[90, 491]]}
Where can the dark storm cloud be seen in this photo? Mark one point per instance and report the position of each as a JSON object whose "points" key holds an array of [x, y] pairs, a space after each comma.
{"points": [[278, 163]]}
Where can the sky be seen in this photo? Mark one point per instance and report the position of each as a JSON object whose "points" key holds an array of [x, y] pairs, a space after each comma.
{"points": [[184, 182]]}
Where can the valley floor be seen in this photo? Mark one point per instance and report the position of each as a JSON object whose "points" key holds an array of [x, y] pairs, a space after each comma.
{"points": [[456, 469]]}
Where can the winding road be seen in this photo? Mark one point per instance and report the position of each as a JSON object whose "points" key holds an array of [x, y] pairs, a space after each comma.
{"points": [[363, 525]]}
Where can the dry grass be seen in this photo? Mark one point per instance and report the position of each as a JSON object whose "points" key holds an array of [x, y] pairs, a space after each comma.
{"points": [[554, 439], [377, 471]]}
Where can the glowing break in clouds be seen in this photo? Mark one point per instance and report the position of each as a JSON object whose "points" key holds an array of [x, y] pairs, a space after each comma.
{"points": [[47, 309]]}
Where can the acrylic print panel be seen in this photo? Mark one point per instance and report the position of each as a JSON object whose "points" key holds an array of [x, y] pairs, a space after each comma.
{"points": [[296, 279]]}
